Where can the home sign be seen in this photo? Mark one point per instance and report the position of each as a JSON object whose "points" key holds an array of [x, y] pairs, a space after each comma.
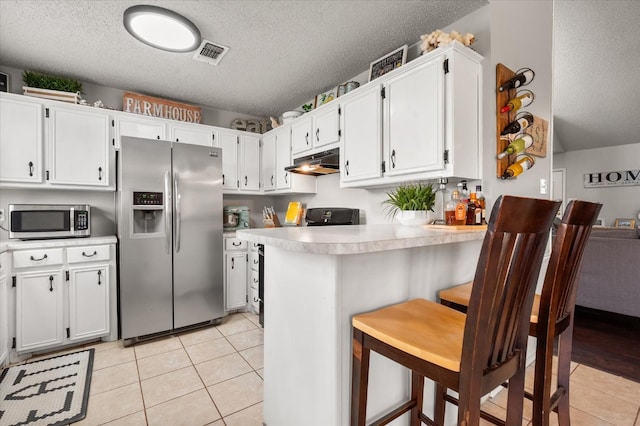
{"points": [[617, 178], [162, 108]]}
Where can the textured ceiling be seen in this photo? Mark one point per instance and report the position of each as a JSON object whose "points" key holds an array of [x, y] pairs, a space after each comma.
{"points": [[596, 91], [282, 53]]}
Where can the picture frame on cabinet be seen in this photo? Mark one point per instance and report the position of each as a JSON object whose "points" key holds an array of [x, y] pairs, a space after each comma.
{"points": [[599, 222], [388, 63], [4, 82], [624, 223], [308, 106], [326, 97]]}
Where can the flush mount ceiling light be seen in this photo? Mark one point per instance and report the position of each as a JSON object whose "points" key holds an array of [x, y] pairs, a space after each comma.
{"points": [[161, 28]]}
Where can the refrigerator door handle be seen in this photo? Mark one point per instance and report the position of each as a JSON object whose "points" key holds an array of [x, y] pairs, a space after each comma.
{"points": [[167, 211], [176, 195]]}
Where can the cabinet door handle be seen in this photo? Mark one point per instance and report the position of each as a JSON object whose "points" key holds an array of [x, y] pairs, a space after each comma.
{"points": [[236, 244], [223, 179], [99, 173], [30, 168], [38, 260], [255, 281], [99, 276], [307, 138], [90, 255], [271, 179], [393, 159], [245, 181], [286, 181], [50, 282], [255, 262], [233, 262], [346, 167], [318, 134]]}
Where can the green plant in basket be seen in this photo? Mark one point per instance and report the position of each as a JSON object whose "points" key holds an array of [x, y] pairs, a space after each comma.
{"points": [[51, 82], [415, 196]]}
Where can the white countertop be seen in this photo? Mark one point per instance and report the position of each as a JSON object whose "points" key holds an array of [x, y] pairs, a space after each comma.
{"points": [[60, 242], [356, 239]]}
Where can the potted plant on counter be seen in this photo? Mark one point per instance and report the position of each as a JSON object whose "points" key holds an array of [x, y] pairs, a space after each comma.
{"points": [[410, 203]]}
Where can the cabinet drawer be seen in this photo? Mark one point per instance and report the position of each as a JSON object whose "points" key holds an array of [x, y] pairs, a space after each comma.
{"points": [[235, 244], [254, 279], [254, 259], [254, 302], [88, 254], [42, 257]]}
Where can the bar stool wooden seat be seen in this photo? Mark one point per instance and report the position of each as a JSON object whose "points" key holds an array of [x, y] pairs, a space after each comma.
{"points": [[552, 313], [470, 353]]}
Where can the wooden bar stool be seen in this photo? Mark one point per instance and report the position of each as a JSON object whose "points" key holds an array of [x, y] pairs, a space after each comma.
{"points": [[552, 313], [470, 353]]}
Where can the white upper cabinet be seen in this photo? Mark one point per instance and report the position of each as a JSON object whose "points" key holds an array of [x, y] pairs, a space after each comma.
{"points": [[361, 146], [195, 134], [326, 125], [269, 162], [316, 129], [301, 135], [240, 161], [79, 144], [20, 140], [414, 120], [428, 125], [284, 179], [135, 125], [249, 164]]}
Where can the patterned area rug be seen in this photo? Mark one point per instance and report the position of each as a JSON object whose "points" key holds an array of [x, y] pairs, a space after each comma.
{"points": [[53, 391]]}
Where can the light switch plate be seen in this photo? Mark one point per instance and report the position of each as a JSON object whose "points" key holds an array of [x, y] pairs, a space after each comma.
{"points": [[543, 186]]}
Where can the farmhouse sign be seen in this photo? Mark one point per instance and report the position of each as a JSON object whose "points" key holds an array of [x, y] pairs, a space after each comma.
{"points": [[618, 178], [156, 107]]}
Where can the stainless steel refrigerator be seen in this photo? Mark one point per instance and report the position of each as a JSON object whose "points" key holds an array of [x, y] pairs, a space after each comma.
{"points": [[169, 203]]}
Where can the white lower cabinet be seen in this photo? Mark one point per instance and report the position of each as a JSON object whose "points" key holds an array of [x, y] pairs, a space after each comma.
{"points": [[88, 302], [236, 268], [39, 309], [254, 279], [63, 295]]}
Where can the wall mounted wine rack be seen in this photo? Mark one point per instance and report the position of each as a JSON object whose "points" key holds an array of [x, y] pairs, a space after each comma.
{"points": [[538, 130]]}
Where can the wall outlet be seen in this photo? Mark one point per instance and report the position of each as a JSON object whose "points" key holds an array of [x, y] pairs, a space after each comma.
{"points": [[543, 186], [1, 215]]}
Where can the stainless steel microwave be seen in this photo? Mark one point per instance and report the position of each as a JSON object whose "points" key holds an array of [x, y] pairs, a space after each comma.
{"points": [[41, 221]]}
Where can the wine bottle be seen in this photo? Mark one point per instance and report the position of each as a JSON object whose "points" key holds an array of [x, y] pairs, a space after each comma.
{"points": [[482, 202], [522, 121], [523, 162], [517, 146], [523, 98], [471, 209], [456, 210], [523, 77]]}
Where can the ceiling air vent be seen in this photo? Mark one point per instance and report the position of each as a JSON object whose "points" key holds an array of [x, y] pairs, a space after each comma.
{"points": [[210, 52]]}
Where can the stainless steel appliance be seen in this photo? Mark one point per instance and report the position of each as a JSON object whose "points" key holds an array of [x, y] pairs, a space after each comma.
{"points": [[41, 221], [170, 236], [236, 217], [322, 216]]}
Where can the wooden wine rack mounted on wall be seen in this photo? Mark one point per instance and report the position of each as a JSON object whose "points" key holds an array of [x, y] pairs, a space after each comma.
{"points": [[502, 119], [538, 130]]}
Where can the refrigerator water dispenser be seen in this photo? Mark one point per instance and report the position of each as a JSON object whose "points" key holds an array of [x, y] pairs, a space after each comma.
{"points": [[148, 212]]}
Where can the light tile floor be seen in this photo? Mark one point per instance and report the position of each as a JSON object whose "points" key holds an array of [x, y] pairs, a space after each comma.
{"points": [[213, 376]]}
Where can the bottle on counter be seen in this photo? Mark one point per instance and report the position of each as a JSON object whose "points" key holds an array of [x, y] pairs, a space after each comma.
{"points": [[523, 162], [483, 204], [524, 98], [522, 121], [456, 210], [517, 145], [471, 209], [442, 198], [523, 77]]}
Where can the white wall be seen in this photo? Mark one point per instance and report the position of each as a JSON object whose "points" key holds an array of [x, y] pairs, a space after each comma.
{"points": [[112, 98], [618, 201]]}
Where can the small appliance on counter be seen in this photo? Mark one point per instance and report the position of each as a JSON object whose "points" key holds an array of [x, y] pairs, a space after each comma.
{"points": [[44, 221], [325, 216], [236, 217]]}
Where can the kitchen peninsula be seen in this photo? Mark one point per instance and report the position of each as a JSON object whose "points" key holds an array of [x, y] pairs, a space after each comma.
{"points": [[316, 279]]}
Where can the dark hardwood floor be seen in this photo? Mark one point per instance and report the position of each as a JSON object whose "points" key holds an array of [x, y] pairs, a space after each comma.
{"points": [[607, 341]]}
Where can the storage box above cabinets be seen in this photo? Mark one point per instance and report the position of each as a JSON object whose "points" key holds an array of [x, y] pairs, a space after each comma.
{"points": [[421, 121], [49, 144]]}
